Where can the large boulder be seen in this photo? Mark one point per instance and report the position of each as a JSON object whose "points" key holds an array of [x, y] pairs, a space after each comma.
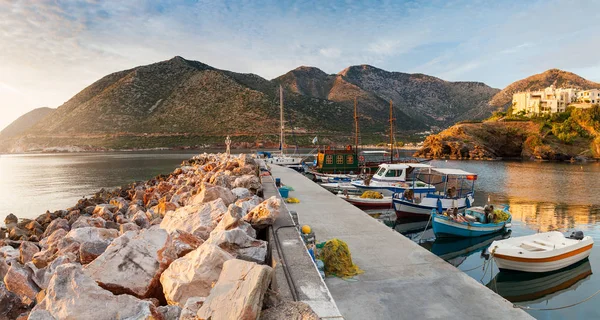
{"points": [[241, 193], [211, 192], [84, 221], [10, 304], [10, 220], [133, 263], [198, 219], [26, 251], [8, 256], [233, 219], [238, 293], [55, 225], [184, 242], [51, 241], [18, 281], [237, 242], [170, 312], [248, 181], [92, 234], [265, 213], [42, 276], [247, 204], [191, 307], [71, 294], [193, 274]]}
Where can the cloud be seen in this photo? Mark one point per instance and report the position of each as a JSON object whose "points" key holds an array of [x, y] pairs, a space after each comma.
{"points": [[52, 50]]}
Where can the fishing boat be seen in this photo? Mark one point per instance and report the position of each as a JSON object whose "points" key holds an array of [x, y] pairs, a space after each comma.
{"points": [[367, 203], [282, 159], [539, 287], [448, 188], [541, 252], [472, 222], [395, 178]]}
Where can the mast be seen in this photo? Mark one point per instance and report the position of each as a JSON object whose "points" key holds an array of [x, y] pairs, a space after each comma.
{"points": [[281, 137], [355, 126], [391, 132]]}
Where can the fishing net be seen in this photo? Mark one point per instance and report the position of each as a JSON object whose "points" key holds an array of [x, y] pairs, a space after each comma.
{"points": [[500, 216], [292, 200], [338, 261], [371, 195]]}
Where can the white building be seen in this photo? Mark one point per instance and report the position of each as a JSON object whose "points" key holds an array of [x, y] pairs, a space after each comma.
{"points": [[589, 96], [549, 100]]}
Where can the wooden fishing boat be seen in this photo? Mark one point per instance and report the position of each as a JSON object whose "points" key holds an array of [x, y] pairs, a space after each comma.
{"points": [[453, 188], [541, 252], [367, 203], [472, 223]]}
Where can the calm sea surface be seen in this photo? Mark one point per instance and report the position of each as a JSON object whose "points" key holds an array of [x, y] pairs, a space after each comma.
{"points": [[542, 196]]}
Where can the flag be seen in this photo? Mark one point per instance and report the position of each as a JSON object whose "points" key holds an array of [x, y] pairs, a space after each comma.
{"points": [[314, 141]]}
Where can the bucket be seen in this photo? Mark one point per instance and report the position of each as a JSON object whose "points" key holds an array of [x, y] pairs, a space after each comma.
{"points": [[284, 192], [278, 182]]}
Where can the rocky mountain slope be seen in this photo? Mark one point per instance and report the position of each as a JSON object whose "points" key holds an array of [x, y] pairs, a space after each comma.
{"points": [[179, 102], [426, 99], [25, 122], [559, 78]]}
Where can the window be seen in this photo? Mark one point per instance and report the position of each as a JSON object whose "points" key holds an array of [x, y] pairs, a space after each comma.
{"points": [[380, 172], [349, 159], [329, 159], [391, 173], [339, 159]]}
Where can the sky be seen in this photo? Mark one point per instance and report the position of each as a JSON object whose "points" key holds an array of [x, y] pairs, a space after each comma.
{"points": [[50, 50]]}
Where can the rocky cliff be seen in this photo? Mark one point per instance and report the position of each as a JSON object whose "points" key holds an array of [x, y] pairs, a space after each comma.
{"points": [[179, 102], [573, 135]]}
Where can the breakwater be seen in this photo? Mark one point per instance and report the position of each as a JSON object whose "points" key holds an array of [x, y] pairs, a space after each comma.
{"points": [[191, 244]]}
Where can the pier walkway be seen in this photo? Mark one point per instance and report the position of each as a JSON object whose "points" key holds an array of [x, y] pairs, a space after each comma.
{"points": [[401, 280]]}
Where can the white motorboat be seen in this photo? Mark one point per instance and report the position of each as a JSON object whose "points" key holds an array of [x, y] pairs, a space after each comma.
{"points": [[541, 252], [392, 178]]}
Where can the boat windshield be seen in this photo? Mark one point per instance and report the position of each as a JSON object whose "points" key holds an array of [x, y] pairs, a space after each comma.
{"points": [[380, 172]]}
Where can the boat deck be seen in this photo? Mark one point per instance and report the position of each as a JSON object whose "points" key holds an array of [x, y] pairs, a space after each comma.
{"points": [[401, 280]]}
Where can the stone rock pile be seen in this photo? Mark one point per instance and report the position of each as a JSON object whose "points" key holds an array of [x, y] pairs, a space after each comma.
{"points": [[179, 246]]}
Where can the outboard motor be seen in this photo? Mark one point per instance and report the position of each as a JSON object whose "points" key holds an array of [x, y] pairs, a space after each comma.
{"points": [[577, 235]]}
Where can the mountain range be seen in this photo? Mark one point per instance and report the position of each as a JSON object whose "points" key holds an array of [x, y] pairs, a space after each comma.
{"points": [[180, 102]]}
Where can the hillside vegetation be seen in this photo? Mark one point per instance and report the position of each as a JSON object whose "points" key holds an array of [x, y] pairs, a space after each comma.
{"points": [[570, 135]]}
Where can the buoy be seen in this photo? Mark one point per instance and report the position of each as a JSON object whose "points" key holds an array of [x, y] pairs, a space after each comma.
{"points": [[306, 229]]}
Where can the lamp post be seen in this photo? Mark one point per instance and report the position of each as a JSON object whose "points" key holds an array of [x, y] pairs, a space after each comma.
{"points": [[228, 144]]}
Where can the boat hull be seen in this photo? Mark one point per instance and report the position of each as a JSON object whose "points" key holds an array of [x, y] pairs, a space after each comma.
{"points": [[389, 190], [366, 203], [443, 227], [512, 257], [408, 209]]}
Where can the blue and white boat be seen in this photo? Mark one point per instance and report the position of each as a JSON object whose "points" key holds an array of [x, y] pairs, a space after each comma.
{"points": [[473, 223], [449, 188], [392, 178]]}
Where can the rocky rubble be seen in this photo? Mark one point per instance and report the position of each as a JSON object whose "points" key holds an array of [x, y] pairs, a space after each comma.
{"points": [[167, 248]]}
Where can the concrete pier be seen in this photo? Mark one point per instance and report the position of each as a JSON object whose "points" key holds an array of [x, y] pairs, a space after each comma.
{"points": [[401, 280]]}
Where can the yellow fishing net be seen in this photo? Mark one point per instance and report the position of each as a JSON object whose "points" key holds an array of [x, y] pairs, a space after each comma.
{"points": [[292, 200], [371, 195], [338, 261], [500, 216]]}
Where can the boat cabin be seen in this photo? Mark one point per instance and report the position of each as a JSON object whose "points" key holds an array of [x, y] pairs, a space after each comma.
{"points": [[397, 171], [448, 182], [337, 160]]}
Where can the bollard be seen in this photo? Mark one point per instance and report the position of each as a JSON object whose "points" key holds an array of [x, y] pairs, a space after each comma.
{"points": [[278, 182]]}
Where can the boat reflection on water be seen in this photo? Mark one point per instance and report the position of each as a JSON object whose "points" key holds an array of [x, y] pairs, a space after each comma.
{"points": [[538, 287], [455, 250]]}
